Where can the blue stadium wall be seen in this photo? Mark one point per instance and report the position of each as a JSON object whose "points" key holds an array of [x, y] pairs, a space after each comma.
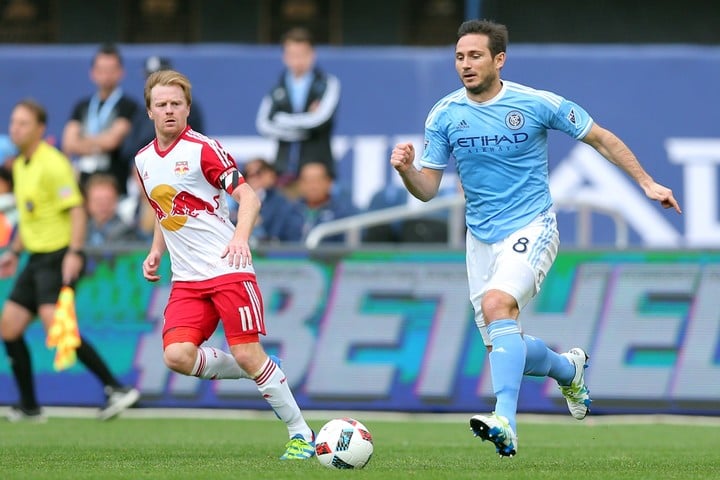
{"points": [[647, 316], [649, 321], [660, 99]]}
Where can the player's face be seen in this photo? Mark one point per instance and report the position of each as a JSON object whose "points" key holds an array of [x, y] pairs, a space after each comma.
{"points": [[477, 69], [298, 57], [24, 128], [169, 110]]}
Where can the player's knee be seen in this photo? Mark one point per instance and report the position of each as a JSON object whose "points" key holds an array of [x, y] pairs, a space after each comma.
{"points": [[13, 321], [9, 330], [180, 358], [498, 305]]}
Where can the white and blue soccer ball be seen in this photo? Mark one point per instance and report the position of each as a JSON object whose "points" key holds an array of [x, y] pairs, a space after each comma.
{"points": [[344, 443]]}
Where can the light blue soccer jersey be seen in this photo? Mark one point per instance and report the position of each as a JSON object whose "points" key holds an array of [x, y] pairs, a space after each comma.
{"points": [[500, 151]]}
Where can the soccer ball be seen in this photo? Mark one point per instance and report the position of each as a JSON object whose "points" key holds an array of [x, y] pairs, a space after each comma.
{"points": [[344, 443]]}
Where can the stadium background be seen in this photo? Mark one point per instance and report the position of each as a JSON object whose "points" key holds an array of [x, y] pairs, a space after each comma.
{"points": [[648, 315]]}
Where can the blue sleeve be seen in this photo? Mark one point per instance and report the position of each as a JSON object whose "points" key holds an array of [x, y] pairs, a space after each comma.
{"points": [[436, 148], [572, 119]]}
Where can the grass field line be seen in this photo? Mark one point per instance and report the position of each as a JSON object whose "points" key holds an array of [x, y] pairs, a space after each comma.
{"points": [[372, 415]]}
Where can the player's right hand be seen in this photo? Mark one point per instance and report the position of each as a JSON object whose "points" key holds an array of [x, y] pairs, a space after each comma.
{"points": [[402, 157], [8, 264], [150, 267]]}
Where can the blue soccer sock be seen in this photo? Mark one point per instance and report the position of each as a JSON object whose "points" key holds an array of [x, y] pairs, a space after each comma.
{"points": [[507, 362], [543, 362]]}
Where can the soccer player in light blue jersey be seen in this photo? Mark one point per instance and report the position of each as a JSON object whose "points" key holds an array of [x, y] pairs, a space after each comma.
{"points": [[497, 132]]}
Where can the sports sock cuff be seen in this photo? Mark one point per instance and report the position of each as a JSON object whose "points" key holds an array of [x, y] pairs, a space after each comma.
{"points": [[500, 328], [265, 372], [200, 362]]}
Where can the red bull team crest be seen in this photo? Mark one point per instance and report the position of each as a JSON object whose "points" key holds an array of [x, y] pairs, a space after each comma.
{"points": [[181, 168]]}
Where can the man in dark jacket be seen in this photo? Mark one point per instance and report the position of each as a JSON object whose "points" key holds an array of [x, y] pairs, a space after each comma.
{"points": [[299, 111]]}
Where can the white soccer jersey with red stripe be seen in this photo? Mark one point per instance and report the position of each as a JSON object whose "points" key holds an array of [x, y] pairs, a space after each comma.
{"points": [[183, 186]]}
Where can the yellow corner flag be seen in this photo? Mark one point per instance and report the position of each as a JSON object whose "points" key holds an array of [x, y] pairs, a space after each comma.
{"points": [[63, 333]]}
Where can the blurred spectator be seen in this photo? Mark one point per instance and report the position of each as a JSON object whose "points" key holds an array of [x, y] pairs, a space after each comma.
{"points": [[319, 201], [431, 228], [8, 151], [299, 110], [99, 124], [143, 129], [280, 219], [104, 224], [387, 197], [8, 212], [143, 216]]}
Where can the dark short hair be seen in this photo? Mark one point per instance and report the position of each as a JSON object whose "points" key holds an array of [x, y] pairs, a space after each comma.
{"points": [[330, 174], [298, 35], [102, 179], [497, 33], [263, 165], [35, 107], [108, 49]]}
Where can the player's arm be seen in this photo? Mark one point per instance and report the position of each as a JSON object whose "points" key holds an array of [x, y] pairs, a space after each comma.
{"points": [[78, 220], [615, 150], [248, 210], [74, 259], [423, 184], [151, 264], [238, 251], [10, 258], [158, 241]]}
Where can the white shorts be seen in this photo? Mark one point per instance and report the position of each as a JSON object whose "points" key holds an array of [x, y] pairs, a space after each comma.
{"points": [[516, 265]]}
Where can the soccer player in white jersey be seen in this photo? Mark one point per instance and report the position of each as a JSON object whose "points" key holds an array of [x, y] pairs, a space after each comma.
{"points": [[497, 132], [184, 174]]}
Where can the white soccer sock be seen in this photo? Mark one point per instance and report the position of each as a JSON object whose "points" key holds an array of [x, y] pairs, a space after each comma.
{"points": [[272, 384], [214, 364]]}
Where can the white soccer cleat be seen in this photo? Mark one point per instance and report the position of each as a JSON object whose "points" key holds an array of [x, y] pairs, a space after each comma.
{"points": [[118, 400], [18, 413], [577, 394], [495, 429]]}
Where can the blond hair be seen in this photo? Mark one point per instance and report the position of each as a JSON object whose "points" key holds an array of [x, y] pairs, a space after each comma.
{"points": [[168, 78]]}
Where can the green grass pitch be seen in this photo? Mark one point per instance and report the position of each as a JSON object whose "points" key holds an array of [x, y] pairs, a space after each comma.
{"points": [[414, 447]]}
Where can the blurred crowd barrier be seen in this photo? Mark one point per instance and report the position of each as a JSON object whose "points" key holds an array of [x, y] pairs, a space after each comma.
{"points": [[648, 319]]}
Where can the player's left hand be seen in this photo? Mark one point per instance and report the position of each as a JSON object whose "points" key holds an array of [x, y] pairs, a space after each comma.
{"points": [[72, 265], [662, 194], [237, 253]]}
